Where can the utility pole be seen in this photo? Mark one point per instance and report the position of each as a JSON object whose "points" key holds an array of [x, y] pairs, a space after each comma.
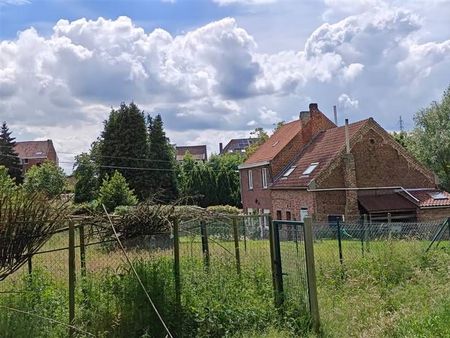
{"points": [[402, 129]]}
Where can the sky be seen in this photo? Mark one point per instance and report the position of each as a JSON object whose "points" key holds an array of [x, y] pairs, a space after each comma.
{"points": [[215, 69]]}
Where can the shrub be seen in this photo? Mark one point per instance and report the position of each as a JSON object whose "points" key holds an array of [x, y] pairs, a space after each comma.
{"points": [[47, 178], [115, 191], [224, 209]]}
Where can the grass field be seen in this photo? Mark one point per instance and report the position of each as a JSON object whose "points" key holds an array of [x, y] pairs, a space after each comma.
{"points": [[394, 290]]}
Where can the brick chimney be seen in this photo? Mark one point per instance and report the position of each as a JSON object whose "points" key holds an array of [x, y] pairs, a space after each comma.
{"points": [[351, 196], [220, 148]]}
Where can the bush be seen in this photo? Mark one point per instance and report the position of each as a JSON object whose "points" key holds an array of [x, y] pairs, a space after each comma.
{"points": [[224, 209], [115, 192], [47, 178]]}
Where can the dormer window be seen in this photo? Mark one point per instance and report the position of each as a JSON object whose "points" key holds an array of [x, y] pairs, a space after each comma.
{"points": [[310, 169]]}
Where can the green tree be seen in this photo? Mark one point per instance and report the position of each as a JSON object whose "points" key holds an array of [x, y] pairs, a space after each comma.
{"points": [[163, 177], [261, 136], [402, 137], [115, 192], [6, 182], [47, 178], [8, 157], [430, 139], [86, 175], [123, 147]]}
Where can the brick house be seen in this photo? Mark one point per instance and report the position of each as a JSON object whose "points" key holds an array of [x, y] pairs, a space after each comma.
{"points": [[310, 166], [198, 153], [35, 152], [236, 145]]}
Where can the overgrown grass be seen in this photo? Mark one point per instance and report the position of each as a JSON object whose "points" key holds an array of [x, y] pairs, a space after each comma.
{"points": [[395, 290]]}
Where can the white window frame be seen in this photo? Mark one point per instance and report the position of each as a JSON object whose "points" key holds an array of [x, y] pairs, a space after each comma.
{"points": [[264, 178], [250, 179], [310, 168], [303, 214]]}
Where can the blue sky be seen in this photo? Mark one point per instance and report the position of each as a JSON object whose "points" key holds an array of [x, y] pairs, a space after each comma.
{"points": [[216, 69]]}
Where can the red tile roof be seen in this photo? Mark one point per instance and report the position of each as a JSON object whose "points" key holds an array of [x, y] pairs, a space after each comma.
{"points": [[33, 149], [321, 150], [426, 200], [275, 143]]}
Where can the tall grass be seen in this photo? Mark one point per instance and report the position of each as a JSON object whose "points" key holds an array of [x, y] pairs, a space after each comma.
{"points": [[395, 290]]}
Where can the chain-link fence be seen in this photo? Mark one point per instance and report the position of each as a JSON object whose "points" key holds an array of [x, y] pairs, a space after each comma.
{"points": [[339, 242]]}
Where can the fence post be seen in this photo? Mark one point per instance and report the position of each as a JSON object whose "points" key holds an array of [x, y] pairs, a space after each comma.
{"points": [[363, 233], [366, 238], [272, 260], [278, 271], [236, 246], [311, 275], [30, 262], [82, 250], [341, 258], [176, 270], [71, 278], [205, 245], [244, 232]]}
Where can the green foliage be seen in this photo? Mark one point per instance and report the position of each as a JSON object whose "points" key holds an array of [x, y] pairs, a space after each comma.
{"points": [[430, 139], [85, 172], [6, 182], [211, 183], [261, 136], [224, 209], [163, 179], [115, 192], [47, 178], [402, 137], [123, 144], [8, 157]]}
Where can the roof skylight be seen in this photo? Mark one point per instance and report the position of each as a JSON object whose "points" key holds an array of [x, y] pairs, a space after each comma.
{"points": [[291, 169], [438, 195], [311, 168]]}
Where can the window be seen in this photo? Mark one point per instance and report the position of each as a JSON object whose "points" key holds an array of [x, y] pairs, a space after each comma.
{"points": [[288, 215], [264, 177], [303, 214], [311, 168], [291, 169], [279, 214], [250, 180], [438, 195], [25, 160]]}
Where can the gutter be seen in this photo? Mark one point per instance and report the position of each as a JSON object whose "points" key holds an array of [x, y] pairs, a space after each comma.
{"points": [[398, 188], [253, 165]]}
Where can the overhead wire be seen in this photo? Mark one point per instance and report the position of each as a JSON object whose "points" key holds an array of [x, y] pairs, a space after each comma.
{"points": [[136, 274]]}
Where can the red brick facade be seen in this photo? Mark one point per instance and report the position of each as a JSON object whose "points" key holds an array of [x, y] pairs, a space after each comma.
{"points": [[36, 152], [376, 165]]}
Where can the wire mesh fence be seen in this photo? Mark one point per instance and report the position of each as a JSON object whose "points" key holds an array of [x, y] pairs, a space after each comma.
{"points": [[340, 242]]}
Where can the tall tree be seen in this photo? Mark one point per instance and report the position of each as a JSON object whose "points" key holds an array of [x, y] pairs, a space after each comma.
{"points": [[430, 139], [8, 157], [161, 156], [123, 147], [85, 171]]}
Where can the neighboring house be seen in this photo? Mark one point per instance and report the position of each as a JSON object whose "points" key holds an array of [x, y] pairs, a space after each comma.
{"points": [[236, 145], [35, 152], [312, 167], [198, 153]]}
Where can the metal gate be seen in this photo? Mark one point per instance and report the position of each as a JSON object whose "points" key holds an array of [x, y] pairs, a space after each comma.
{"points": [[293, 267]]}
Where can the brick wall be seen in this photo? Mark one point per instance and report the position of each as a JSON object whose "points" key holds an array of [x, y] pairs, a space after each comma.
{"points": [[433, 214], [258, 198], [378, 163], [292, 201]]}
